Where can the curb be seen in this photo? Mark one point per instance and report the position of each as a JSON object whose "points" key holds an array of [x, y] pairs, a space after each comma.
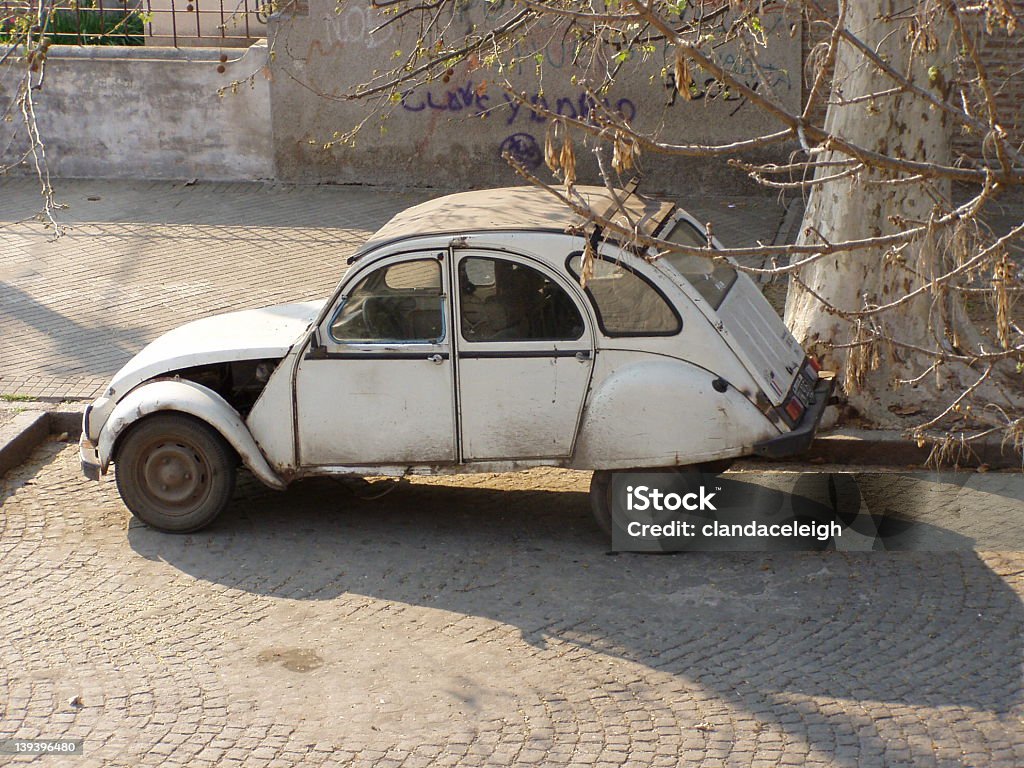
{"points": [[789, 226], [20, 436], [69, 421], [876, 448]]}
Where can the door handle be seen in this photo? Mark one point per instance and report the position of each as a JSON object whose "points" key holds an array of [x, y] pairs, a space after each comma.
{"points": [[435, 359], [583, 357]]}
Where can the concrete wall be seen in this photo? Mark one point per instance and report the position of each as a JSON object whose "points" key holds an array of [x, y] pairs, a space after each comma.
{"points": [[149, 112], [452, 133], [154, 113]]}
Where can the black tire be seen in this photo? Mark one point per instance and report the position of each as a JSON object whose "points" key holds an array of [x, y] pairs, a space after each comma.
{"points": [[174, 472], [717, 467], [601, 499], [601, 487]]}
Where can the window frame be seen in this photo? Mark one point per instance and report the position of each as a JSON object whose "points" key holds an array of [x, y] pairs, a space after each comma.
{"points": [[597, 309], [392, 260], [512, 257]]}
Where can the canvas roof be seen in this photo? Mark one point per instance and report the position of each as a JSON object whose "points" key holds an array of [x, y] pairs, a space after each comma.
{"points": [[513, 208]]}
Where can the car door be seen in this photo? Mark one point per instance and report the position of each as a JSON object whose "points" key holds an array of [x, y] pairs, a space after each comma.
{"points": [[525, 353], [380, 387]]}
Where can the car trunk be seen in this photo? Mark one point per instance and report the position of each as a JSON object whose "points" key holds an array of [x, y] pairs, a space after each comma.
{"points": [[751, 326], [760, 338]]}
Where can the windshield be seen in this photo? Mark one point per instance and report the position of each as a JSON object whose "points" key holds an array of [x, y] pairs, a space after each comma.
{"points": [[712, 279]]}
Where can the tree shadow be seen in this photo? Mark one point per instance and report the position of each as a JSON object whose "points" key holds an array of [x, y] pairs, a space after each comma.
{"points": [[768, 634], [82, 349]]}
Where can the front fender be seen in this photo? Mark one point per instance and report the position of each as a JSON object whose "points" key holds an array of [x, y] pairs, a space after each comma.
{"points": [[184, 396]]}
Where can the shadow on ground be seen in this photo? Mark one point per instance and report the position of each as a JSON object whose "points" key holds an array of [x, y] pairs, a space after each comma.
{"points": [[796, 639], [78, 349]]}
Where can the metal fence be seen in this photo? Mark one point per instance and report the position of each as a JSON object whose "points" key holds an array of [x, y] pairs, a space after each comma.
{"points": [[178, 23]]}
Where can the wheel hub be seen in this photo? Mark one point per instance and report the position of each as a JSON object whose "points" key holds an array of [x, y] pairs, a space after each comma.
{"points": [[174, 474]]}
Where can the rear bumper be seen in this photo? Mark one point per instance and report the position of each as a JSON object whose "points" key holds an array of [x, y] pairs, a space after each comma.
{"points": [[799, 440]]}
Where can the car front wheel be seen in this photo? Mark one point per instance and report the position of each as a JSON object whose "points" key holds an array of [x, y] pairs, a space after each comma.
{"points": [[174, 472]]}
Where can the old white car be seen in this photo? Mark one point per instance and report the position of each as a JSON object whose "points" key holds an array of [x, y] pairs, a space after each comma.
{"points": [[461, 340]]}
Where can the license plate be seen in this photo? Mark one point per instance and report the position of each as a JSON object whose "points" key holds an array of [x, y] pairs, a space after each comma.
{"points": [[803, 388]]}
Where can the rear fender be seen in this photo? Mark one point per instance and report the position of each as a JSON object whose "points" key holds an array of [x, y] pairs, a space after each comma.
{"points": [[183, 396], [666, 412]]}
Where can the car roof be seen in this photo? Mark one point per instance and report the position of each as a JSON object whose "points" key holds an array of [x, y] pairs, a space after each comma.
{"points": [[525, 208]]}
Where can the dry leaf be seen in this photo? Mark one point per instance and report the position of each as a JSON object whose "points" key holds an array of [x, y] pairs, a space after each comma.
{"points": [[622, 154], [587, 264], [682, 74], [568, 161], [551, 159]]}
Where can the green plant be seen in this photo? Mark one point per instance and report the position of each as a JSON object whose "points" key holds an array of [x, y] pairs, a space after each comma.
{"points": [[78, 23], [85, 24]]}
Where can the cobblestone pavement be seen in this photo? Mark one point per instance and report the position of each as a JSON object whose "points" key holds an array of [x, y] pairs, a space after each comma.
{"points": [[478, 620], [140, 258]]}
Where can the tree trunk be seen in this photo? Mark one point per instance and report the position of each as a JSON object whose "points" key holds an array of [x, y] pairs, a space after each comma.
{"points": [[854, 208]]}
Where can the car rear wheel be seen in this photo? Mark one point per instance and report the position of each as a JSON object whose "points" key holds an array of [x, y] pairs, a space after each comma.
{"points": [[601, 486], [601, 499], [175, 473], [719, 467]]}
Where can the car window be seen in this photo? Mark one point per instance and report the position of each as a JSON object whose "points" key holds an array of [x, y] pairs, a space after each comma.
{"points": [[396, 303], [501, 300], [712, 279], [626, 304]]}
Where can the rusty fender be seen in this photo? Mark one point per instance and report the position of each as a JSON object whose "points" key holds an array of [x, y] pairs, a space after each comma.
{"points": [[182, 396]]}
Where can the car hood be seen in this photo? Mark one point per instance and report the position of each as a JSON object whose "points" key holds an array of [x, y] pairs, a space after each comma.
{"points": [[248, 335]]}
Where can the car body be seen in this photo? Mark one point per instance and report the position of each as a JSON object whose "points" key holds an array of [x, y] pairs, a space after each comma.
{"points": [[461, 340]]}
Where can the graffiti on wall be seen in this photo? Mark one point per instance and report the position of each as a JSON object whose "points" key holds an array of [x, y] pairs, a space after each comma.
{"points": [[356, 30], [523, 148], [353, 25], [776, 80], [472, 100]]}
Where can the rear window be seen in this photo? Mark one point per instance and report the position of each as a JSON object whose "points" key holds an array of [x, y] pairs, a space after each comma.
{"points": [[626, 304], [712, 279]]}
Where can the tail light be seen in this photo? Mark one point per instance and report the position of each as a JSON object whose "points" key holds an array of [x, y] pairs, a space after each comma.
{"points": [[794, 409], [813, 362]]}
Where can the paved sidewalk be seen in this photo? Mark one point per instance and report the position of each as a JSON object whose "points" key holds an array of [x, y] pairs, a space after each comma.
{"points": [[140, 258]]}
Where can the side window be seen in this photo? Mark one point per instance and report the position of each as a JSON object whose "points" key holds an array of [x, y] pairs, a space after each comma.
{"points": [[626, 304], [401, 302], [501, 300]]}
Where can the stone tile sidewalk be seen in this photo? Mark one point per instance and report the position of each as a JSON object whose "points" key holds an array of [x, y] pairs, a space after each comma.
{"points": [[140, 258]]}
